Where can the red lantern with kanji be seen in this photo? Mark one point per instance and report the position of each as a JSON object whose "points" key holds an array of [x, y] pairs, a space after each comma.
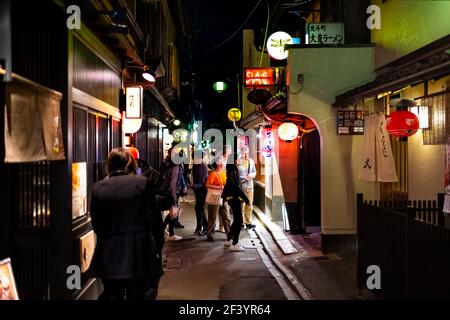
{"points": [[402, 124]]}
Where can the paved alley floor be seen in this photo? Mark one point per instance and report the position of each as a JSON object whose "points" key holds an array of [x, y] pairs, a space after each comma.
{"points": [[196, 269], [326, 276]]}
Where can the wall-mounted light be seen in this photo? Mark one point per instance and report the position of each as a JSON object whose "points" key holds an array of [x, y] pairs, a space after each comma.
{"points": [[148, 74], [176, 122], [422, 113]]}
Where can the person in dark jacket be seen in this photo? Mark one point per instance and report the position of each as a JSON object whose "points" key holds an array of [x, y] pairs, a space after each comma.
{"points": [[233, 193], [126, 219], [173, 178], [199, 176]]}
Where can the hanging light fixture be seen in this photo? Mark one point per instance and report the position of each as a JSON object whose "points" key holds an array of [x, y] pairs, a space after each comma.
{"points": [[149, 75], [288, 131], [403, 123], [422, 113], [220, 86]]}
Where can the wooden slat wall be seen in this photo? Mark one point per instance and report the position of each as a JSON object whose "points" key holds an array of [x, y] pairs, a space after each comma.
{"points": [[93, 76]]}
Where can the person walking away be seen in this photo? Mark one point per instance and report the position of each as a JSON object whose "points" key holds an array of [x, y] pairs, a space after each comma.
{"points": [[199, 176], [186, 181], [247, 172], [224, 210], [216, 180], [127, 222], [172, 174], [235, 197]]}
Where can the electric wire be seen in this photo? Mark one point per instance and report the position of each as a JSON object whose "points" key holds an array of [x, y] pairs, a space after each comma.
{"points": [[242, 25], [265, 35]]}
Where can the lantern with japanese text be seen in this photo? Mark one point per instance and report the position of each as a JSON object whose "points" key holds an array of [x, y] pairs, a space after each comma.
{"points": [[288, 131], [402, 124], [234, 114], [268, 144]]}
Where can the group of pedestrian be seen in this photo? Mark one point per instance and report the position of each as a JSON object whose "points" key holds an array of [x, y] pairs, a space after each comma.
{"points": [[126, 211], [231, 178]]}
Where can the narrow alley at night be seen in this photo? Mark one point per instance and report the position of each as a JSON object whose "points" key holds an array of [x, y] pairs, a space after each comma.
{"points": [[225, 158]]}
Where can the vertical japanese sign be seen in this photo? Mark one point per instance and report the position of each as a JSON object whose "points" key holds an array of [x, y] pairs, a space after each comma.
{"points": [[79, 189], [325, 33], [134, 102], [268, 144], [446, 208]]}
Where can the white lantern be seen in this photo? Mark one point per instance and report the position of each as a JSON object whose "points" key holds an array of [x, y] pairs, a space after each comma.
{"points": [[288, 131], [276, 43]]}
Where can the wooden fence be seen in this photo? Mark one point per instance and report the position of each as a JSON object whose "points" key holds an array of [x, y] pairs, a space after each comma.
{"points": [[409, 244]]}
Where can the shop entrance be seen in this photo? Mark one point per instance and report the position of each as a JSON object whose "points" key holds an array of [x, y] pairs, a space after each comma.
{"points": [[308, 189]]}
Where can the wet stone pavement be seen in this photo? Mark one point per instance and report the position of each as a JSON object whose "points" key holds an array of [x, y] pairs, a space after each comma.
{"points": [[196, 269]]}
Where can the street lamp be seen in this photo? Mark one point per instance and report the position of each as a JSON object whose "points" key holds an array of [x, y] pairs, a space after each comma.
{"points": [[220, 86]]}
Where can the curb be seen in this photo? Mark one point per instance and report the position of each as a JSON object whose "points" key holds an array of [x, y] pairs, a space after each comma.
{"points": [[299, 289]]}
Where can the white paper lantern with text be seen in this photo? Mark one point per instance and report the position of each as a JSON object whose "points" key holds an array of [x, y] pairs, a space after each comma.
{"points": [[276, 43], [288, 131]]}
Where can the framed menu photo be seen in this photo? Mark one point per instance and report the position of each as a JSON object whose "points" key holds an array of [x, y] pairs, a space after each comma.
{"points": [[350, 122], [8, 289], [87, 247], [134, 99]]}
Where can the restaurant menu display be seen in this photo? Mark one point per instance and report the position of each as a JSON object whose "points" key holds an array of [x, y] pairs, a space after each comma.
{"points": [[350, 123]]}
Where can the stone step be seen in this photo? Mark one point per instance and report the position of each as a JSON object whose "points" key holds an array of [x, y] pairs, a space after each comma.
{"points": [[275, 231]]}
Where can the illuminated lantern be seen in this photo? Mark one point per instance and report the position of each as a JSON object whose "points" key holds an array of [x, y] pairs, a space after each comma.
{"points": [[288, 131], [402, 124], [130, 125], [234, 114], [134, 152], [220, 86], [276, 43], [268, 144]]}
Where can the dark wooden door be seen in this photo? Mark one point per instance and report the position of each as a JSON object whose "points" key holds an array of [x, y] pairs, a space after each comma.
{"points": [[309, 181]]}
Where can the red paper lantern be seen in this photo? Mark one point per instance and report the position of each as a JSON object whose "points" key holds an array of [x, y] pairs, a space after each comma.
{"points": [[402, 123], [134, 152]]}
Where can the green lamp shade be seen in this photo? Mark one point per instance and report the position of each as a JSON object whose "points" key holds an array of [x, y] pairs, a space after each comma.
{"points": [[220, 86]]}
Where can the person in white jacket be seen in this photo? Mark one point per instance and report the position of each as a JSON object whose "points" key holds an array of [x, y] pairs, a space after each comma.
{"points": [[247, 172]]}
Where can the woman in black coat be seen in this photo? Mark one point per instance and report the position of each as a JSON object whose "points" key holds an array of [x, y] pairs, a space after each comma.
{"points": [[235, 196], [126, 218]]}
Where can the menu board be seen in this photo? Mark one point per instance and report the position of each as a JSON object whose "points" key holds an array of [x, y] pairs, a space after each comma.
{"points": [[350, 123], [79, 189]]}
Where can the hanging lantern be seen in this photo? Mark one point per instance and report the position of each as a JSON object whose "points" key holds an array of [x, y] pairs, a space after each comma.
{"points": [[402, 124], [288, 131], [134, 152], [268, 144], [220, 86], [234, 114]]}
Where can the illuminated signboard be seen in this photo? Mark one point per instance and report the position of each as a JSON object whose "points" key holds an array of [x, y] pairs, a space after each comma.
{"points": [[259, 77], [325, 33], [134, 98], [276, 44]]}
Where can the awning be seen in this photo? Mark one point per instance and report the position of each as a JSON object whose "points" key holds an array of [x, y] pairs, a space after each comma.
{"points": [[429, 62], [252, 120]]}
